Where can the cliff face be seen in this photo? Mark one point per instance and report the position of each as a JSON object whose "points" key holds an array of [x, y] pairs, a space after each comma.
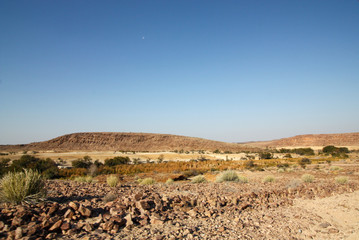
{"points": [[108, 141], [309, 140], [344, 139]]}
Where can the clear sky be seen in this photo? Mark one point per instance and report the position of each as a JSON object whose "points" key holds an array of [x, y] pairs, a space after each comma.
{"points": [[224, 70]]}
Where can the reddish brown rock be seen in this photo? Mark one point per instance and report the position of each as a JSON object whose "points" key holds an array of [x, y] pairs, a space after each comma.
{"points": [[16, 221], [84, 211], [74, 206], [18, 233], [56, 226], [53, 208], [69, 214], [2, 224]]}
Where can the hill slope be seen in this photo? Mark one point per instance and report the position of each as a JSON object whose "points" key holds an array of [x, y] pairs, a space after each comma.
{"points": [[112, 141], [311, 140]]}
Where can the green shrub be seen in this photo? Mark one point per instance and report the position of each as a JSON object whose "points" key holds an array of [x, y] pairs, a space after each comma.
{"points": [[304, 161], [82, 163], [281, 170], [265, 155], [335, 150], [4, 166], [47, 166], [199, 179], [169, 181], [112, 180], [268, 179], [147, 181], [307, 178], [341, 180], [117, 161], [303, 151], [227, 176], [282, 165], [26, 186]]}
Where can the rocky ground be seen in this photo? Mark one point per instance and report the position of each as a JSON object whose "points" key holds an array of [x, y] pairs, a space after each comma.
{"points": [[285, 209]]}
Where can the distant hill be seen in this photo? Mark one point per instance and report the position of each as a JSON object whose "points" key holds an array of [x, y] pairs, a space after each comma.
{"points": [[114, 141], [311, 140]]}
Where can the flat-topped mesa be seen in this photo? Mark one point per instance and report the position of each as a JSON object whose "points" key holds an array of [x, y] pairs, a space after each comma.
{"points": [[311, 140], [114, 141]]}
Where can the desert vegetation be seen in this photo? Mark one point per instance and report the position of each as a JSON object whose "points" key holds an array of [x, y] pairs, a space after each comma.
{"points": [[159, 192], [23, 186]]}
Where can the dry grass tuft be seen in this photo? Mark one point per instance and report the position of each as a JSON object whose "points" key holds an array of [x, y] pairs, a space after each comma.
{"points": [[199, 179], [86, 179], [112, 180], [227, 176], [341, 180], [268, 179], [27, 186], [147, 181], [307, 178]]}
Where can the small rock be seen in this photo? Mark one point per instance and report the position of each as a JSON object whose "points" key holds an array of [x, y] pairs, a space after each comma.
{"points": [[65, 226], [84, 211], [18, 233], [333, 230], [56, 226], [192, 213], [107, 226], [16, 221], [129, 221], [88, 227], [69, 214], [324, 225], [156, 221], [74, 206], [53, 208]]}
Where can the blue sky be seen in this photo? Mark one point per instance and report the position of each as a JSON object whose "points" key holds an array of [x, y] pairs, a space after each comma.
{"points": [[224, 70]]}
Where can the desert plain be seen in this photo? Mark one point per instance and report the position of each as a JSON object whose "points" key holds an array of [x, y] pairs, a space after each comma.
{"points": [[271, 199]]}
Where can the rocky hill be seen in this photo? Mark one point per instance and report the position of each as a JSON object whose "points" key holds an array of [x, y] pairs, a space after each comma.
{"points": [[112, 141], [312, 140]]}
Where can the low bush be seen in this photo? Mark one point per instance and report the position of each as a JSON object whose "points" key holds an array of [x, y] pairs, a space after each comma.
{"points": [[112, 180], [335, 168], [81, 163], [4, 166], [341, 180], [147, 181], [307, 178], [117, 161], [242, 179], [304, 161], [227, 176], [169, 181], [249, 164], [265, 155], [199, 179], [268, 179], [26, 186], [86, 179]]}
